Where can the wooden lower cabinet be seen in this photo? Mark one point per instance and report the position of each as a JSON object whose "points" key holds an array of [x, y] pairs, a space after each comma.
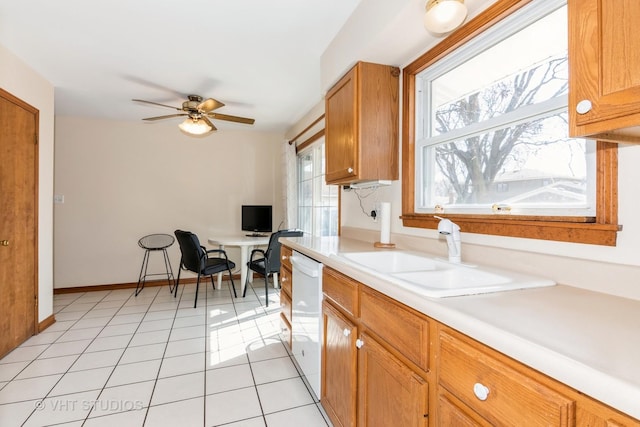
{"points": [[339, 367], [286, 288], [496, 391], [365, 381], [373, 373], [452, 412], [516, 395], [389, 392]]}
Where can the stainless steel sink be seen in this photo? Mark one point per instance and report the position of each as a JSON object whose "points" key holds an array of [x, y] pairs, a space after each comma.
{"points": [[438, 278]]}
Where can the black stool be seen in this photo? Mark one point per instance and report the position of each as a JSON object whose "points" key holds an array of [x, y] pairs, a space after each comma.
{"points": [[151, 243]]}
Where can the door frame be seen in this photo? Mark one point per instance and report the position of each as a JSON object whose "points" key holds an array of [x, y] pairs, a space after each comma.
{"points": [[36, 160]]}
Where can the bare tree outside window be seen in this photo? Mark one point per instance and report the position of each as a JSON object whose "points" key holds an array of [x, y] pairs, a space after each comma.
{"points": [[493, 127], [475, 162]]}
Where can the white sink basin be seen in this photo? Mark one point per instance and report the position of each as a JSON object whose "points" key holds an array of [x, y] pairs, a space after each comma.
{"points": [[438, 278], [392, 262]]}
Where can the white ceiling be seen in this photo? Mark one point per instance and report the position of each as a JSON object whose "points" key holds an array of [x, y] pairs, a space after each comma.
{"points": [[261, 58]]}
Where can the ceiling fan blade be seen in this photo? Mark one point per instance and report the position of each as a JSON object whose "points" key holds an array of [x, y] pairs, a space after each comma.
{"points": [[209, 105], [207, 121], [155, 103], [165, 117], [228, 118]]}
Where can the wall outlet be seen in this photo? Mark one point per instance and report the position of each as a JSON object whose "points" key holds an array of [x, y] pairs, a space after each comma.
{"points": [[58, 198]]}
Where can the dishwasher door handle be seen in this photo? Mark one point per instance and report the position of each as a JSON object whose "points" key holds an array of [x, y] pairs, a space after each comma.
{"points": [[303, 266]]}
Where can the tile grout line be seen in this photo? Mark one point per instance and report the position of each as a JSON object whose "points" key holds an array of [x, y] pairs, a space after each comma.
{"points": [[254, 316], [124, 350], [35, 409], [155, 383]]}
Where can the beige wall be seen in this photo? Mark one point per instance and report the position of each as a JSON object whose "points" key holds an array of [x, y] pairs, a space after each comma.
{"points": [[20, 80], [123, 180]]}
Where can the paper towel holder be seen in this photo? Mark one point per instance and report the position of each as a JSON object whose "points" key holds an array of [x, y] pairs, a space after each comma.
{"points": [[385, 226]]}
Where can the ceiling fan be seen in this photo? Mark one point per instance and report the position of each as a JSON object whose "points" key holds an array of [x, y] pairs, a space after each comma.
{"points": [[197, 111]]}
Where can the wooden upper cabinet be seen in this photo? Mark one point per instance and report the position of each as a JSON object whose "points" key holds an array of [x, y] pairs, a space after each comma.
{"points": [[361, 125], [604, 69]]}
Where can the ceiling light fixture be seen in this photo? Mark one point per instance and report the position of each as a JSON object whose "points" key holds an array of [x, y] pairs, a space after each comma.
{"points": [[195, 126], [443, 16]]}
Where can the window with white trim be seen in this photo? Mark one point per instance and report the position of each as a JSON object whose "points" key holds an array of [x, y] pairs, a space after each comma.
{"points": [[491, 124], [317, 201]]}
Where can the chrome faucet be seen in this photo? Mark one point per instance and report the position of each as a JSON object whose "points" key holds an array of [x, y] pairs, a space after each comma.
{"points": [[451, 231]]}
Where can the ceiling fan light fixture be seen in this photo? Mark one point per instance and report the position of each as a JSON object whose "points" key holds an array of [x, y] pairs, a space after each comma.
{"points": [[443, 16], [195, 127]]}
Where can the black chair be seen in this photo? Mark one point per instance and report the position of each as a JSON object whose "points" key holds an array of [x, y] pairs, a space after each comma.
{"points": [[196, 258], [268, 261]]}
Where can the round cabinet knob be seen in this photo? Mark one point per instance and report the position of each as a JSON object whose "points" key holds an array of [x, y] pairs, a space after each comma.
{"points": [[481, 391], [584, 106], [349, 170], [4, 243], [346, 332], [284, 279], [284, 257], [359, 343]]}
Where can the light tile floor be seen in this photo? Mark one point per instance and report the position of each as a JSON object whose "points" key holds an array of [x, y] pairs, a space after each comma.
{"points": [[113, 359]]}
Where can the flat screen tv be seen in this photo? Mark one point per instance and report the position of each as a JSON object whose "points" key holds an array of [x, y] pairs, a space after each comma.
{"points": [[256, 219]]}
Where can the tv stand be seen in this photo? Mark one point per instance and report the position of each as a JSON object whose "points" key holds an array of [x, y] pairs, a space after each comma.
{"points": [[255, 235]]}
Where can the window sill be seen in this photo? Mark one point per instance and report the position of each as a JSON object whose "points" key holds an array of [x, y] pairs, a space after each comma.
{"points": [[513, 226]]}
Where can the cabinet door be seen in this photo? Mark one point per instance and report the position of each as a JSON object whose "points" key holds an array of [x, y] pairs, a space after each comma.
{"points": [[339, 364], [604, 65], [341, 125], [453, 413], [389, 392]]}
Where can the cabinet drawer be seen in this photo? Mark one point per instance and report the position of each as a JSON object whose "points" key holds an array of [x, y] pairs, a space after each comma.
{"points": [[285, 302], [285, 257], [341, 289], [286, 282], [512, 395], [404, 330]]}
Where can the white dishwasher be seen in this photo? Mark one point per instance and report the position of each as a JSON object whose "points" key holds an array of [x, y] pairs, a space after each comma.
{"points": [[306, 317]]}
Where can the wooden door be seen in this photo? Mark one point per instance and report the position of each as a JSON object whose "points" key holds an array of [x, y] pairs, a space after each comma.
{"points": [[18, 213], [389, 392], [339, 365]]}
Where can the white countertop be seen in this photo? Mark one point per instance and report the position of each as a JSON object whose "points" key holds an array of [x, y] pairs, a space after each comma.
{"points": [[587, 340]]}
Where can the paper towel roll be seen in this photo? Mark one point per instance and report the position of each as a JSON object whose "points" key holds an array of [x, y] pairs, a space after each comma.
{"points": [[385, 222]]}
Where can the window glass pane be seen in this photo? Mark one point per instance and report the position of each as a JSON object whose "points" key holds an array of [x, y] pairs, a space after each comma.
{"points": [[306, 193], [529, 165], [327, 220], [496, 124], [305, 166], [329, 195], [304, 219], [526, 68], [317, 202]]}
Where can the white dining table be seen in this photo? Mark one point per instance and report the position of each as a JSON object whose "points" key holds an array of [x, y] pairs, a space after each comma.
{"points": [[246, 245]]}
